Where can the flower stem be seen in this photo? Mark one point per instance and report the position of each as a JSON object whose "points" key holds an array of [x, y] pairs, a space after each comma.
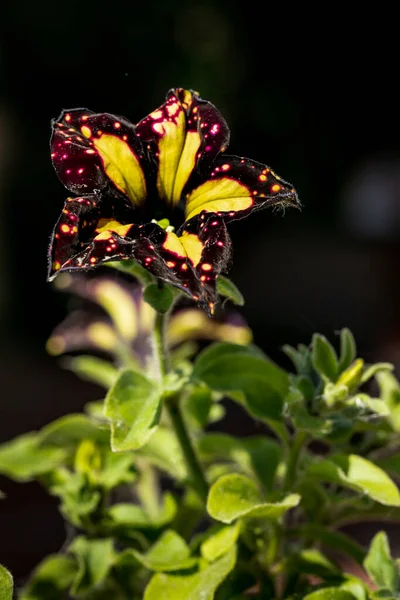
{"points": [[172, 404]]}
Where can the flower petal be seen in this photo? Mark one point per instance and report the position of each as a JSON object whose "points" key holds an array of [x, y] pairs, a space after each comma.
{"points": [[185, 131], [238, 186], [89, 150], [81, 220]]}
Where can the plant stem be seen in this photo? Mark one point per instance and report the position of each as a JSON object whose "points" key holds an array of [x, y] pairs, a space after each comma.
{"points": [[172, 405], [293, 460], [192, 463]]}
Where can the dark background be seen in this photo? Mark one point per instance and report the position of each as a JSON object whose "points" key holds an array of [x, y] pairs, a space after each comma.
{"points": [[313, 95]]}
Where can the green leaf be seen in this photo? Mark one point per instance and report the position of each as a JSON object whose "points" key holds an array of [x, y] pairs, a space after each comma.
{"points": [[324, 357], [197, 586], [128, 516], [373, 370], [390, 393], [348, 349], [197, 406], [379, 564], [159, 298], [164, 451], [133, 407], [226, 288], [220, 542], [133, 268], [312, 562], [256, 455], [243, 375], [352, 376], [331, 593], [93, 369], [6, 584], [51, 578], [95, 558], [23, 459], [358, 474], [69, 431], [169, 553], [234, 496]]}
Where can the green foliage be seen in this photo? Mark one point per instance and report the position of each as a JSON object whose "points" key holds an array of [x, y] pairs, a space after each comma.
{"points": [[160, 504], [226, 288], [6, 584]]}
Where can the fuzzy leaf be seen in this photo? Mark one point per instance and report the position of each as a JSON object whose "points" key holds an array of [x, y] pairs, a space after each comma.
{"points": [[358, 474], [379, 564], [159, 298], [69, 431], [348, 349], [51, 578], [245, 376], [23, 459], [220, 542], [93, 369], [6, 584], [234, 496], [197, 586], [95, 558], [165, 453], [169, 553], [130, 516], [324, 357], [133, 407], [226, 288]]}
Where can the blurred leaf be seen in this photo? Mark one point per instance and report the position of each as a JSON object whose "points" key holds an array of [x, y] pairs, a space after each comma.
{"points": [[358, 474], [352, 376], [373, 370], [133, 407], [335, 540], [131, 267], [312, 562], [51, 578], [164, 451], [23, 459], [348, 349], [379, 564], [117, 468], [95, 558], [390, 393], [226, 288], [331, 593], [234, 496], [68, 432], [300, 357], [6, 584], [197, 406], [93, 369], [79, 499], [220, 542], [324, 357], [257, 383], [197, 586], [355, 586], [129, 516], [159, 298], [169, 553], [256, 455]]}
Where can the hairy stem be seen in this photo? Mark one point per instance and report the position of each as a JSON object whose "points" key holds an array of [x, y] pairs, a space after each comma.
{"points": [[172, 404], [293, 460]]}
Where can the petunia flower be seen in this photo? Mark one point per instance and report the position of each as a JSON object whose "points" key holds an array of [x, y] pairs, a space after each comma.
{"points": [[159, 192]]}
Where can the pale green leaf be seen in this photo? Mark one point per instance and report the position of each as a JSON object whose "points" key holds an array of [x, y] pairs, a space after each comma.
{"points": [[324, 357], [359, 474], [95, 558], [51, 578], [197, 586], [220, 542], [234, 496], [169, 553], [23, 459], [379, 564], [133, 407], [93, 369], [6, 584], [226, 288]]}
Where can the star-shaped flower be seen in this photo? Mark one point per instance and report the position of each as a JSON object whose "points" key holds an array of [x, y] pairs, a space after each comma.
{"points": [[160, 192]]}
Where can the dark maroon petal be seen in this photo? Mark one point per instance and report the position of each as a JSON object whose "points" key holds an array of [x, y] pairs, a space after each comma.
{"points": [[91, 151], [184, 133], [238, 186]]}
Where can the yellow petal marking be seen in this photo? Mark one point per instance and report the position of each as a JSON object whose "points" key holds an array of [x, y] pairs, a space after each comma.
{"points": [[193, 247], [121, 166], [219, 195]]}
